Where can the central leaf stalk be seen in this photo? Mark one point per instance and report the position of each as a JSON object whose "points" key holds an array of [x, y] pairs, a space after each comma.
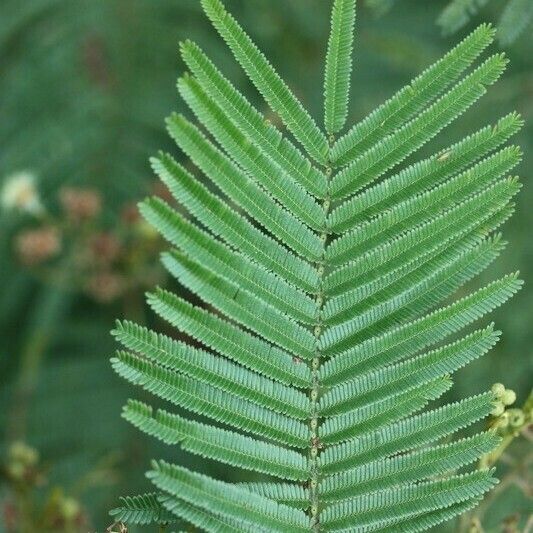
{"points": [[314, 393]]}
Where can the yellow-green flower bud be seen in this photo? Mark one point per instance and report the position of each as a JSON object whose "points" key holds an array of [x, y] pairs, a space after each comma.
{"points": [[70, 509], [16, 470], [475, 526], [19, 451], [516, 418], [502, 421], [498, 409], [508, 397], [498, 389]]}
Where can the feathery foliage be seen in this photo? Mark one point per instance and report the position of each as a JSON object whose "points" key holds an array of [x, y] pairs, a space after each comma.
{"points": [[325, 270], [514, 19]]}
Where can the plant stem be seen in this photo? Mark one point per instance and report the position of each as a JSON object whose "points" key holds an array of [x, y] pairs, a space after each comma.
{"points": [[47, 314]]}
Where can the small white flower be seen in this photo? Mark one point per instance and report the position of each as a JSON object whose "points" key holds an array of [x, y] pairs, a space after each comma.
{"points": [[20, 193]]}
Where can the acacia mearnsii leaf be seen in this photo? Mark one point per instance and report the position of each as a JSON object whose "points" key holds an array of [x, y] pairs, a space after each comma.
{"points": [[400, 262], [416, 335], [236, 184], [412, 297], [373, 511], [463, 260], [441, 322], [426, 521], [422, 175], [397, 146], [221, 259], [216, 443], [211, 369], [236, 230], [470, 264], [400, 248], [440, 286], [407, 468], [241, 306], [448, 226], [339, 65], [410, 301], [226, 499], [267, 81], [378, 414], [264, 135], [142, 509], [228, 339], [424, 206], [209, 401], [249, 156], [412, 98], [390, 380], [395, 270], [406, 434]]}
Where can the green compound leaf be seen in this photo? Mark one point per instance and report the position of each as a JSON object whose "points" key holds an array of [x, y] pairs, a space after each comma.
{"points": [[317, 318]]}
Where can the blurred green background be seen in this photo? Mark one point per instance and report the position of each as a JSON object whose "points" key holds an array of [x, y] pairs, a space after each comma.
{"points": [[84, 88]]}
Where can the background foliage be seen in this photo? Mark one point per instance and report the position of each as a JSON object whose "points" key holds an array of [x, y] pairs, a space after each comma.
{"points": [[513, 21], [85, 87]]}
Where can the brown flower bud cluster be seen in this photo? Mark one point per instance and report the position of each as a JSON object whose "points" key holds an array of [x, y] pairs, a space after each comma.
{"points": [[37, 246], [80, 204], [76, 247]]}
